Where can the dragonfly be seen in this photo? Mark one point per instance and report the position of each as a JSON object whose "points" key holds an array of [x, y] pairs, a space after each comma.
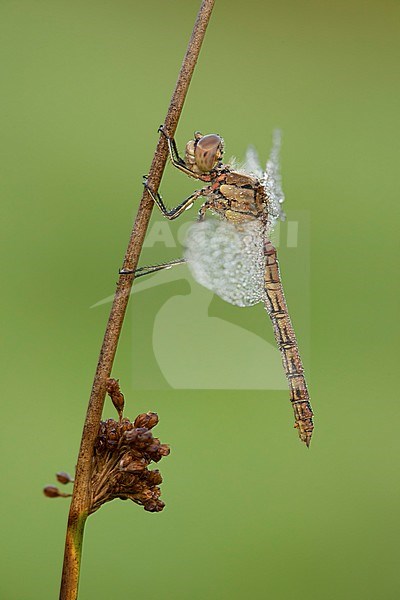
{"points": [[232, 254]]}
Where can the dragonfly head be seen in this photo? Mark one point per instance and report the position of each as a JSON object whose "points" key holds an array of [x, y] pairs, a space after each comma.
{"points": [[204, 152]]}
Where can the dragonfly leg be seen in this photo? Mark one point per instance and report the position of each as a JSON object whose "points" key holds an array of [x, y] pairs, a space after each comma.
{"points": [[152, 269], [202, 211], [176, 160], [173, 150], [178, 210], [275, 304]]}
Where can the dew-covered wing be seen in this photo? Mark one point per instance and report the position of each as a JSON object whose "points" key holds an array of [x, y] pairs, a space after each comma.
{"points": [[228, 259], [273, 181], [252, 163]]}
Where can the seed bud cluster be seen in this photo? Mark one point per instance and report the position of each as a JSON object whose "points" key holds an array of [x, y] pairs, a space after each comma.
{"points": [[122, 455]]}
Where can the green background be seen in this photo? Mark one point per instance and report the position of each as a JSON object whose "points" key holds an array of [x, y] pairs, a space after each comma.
{"points": [[250, 511]]}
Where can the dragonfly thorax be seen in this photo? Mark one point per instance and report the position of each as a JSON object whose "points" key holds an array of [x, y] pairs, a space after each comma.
{"points": [[204, 152]]}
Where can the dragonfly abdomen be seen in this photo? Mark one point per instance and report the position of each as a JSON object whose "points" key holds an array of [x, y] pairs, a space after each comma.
{"points": [[275, 304]]}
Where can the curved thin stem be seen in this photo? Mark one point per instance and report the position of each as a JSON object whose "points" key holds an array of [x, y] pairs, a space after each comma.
{"points": [[81, 497]]}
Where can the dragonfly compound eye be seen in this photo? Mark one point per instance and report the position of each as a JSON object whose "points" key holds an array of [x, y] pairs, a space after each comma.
{"points": [[208, 152]]}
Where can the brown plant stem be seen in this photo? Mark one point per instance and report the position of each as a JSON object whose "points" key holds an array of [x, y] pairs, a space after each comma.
{"points": [[80, 503]]}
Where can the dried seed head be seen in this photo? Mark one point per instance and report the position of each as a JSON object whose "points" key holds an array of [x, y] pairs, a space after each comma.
{"points": [[116, 396], [123, 453], [51, 491], [131, 435], [154, 477], [155, 444], [126, 425], [145, 437], [154, 505], [64, 478], [125, 460], [164, 449], [157, 451], [136, 466], [148, 420]]}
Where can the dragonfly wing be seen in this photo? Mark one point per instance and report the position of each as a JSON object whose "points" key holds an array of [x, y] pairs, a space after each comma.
{"points": [[273, 181], [228, 259], [252, 163]]}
